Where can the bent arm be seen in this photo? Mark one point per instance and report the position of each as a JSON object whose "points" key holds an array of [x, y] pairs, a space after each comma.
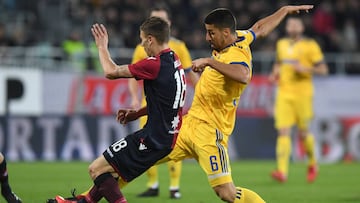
{"points": [[111, 70], [237, 72], [321, 69], [133, 89], [274, 75], [194, 77], [141, 112], [264, 26]]}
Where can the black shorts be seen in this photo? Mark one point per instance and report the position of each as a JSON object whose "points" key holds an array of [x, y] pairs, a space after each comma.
{"points": [[132, 155]]}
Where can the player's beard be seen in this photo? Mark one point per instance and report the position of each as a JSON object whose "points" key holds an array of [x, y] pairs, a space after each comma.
{"points": [[294, 35], [214, 46]]}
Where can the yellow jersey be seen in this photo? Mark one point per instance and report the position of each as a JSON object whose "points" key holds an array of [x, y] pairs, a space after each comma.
{"points": [[307, 53], [216, 96], [176, 45]]}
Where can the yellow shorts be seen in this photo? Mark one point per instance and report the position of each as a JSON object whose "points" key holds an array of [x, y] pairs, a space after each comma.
{"points": [[198, 140], [293, 110]]}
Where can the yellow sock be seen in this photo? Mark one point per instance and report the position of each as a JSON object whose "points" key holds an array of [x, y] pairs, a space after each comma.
{"points": [[283, 152], [309, 143], [122, 183], [153, 177], [245, 195], [175, 172], [86, 192]]}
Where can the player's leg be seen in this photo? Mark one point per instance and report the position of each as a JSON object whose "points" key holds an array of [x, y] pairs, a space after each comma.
{"points": [[175, 173], [152, 183], [4, 180], [181, 150], [305, 114], [284, 116], [105, 185], [214, 160], [152, 174], [229, 193]]}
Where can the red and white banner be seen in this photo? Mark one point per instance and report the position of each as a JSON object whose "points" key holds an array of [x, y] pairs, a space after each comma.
{"points": [[37, 94], [258, 98], [98, 95]]}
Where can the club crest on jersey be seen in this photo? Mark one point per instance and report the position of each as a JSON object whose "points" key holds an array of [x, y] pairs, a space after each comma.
{"points": [[174, 125], [142, 147]]}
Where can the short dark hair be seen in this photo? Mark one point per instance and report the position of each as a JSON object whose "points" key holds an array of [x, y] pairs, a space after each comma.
{"points": [[161, 7], [156, 27], [221, 18]]}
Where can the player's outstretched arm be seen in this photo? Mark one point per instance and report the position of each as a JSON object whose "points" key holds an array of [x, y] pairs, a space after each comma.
{"points": [[264, 26], [111, 70]]}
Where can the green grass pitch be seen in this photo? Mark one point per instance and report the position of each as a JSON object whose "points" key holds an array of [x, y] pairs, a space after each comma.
{"points": [[34, 182]]}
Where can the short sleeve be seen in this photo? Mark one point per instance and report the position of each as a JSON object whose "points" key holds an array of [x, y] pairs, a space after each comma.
{"points": [[248, 35], [316, 54], [146, 69], [238, 56], [139, 54], [277, 52]]}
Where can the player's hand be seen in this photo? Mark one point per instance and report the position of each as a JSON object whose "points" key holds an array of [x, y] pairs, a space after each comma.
{"points": [[297, 9], [100, 35], [124, 116], [299, 68], [273, 78], [199, 65]]}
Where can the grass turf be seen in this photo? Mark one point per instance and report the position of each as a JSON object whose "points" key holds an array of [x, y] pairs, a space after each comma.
{"points": [[34, 182]]}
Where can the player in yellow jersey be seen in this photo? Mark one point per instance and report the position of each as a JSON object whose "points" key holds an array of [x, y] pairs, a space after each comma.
{"points": [[297, 59], [181, 50], [211, 118]]}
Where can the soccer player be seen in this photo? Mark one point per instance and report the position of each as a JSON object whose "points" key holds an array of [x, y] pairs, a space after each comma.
{"points": [[211, 118], [297, 59], [164, 86], [6, 191], [179, 47]]}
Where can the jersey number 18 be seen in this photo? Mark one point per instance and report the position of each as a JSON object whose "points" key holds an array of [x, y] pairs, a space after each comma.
{"points": [[180, 89]]}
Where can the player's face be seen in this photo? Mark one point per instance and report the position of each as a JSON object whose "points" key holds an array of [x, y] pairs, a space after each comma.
{"points": [[161, 14], [294, 27], [146, 43], [215, 37]]}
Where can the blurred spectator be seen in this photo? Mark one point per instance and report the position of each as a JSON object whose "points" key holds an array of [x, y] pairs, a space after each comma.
{"points": [[334, 23], [75, 50], [323, 20], [5, 40]]}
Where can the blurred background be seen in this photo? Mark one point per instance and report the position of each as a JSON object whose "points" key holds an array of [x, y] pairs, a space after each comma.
{"points": [[55, 104]]}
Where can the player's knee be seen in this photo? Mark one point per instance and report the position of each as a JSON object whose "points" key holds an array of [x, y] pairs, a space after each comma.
{"points": [[226, 192], [92, 171], [284, 131], [303, 133]]}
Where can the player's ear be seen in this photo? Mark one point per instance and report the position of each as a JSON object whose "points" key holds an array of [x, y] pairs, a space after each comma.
{"points": [[226, 32], [150, 39]]}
